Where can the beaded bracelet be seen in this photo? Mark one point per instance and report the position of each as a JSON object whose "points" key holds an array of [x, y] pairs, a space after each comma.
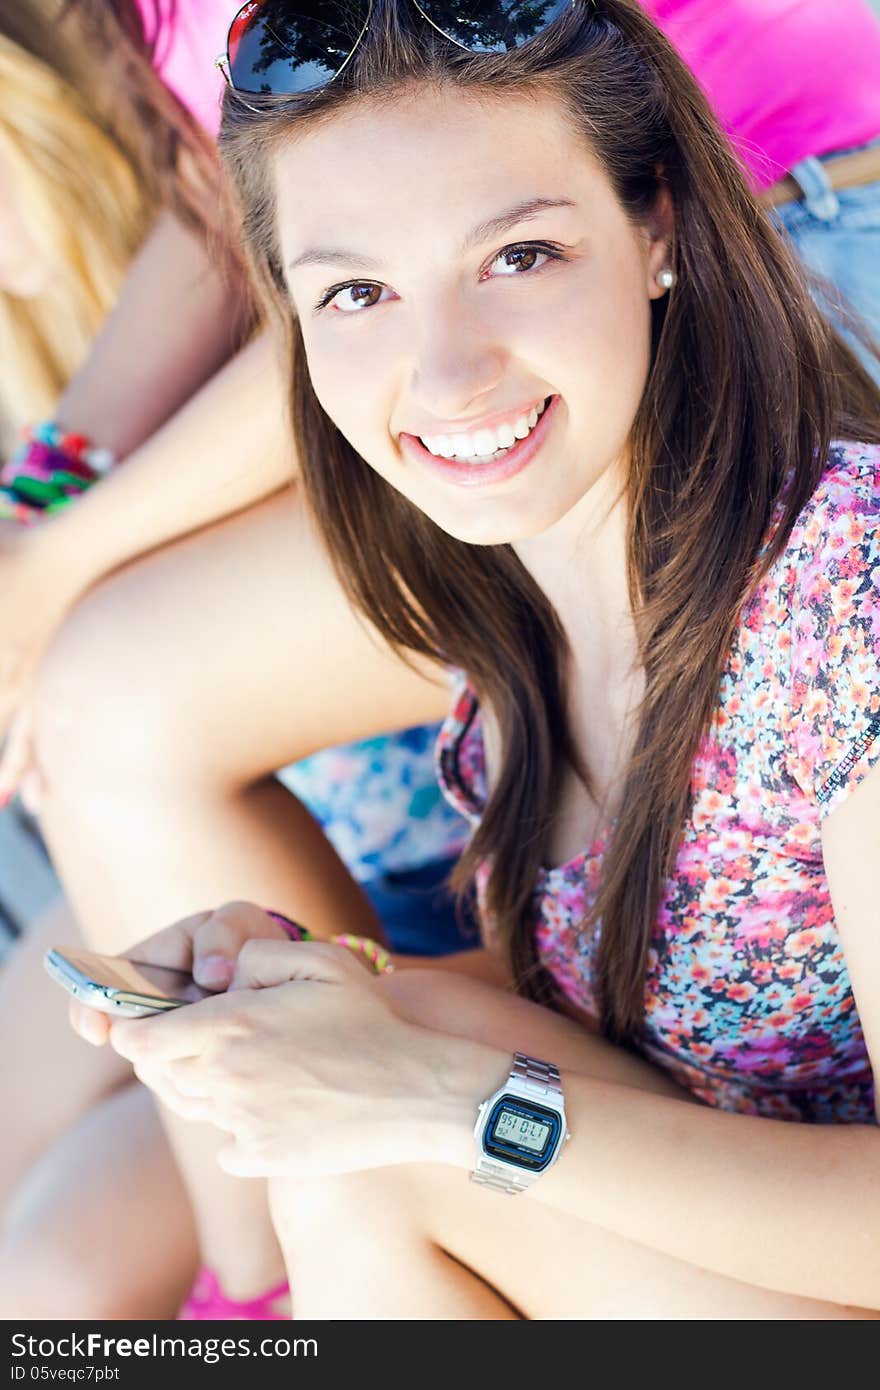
{"points": [[371, 951], [50, 469]]}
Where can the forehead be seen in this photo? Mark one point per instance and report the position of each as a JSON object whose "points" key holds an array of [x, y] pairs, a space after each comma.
{"points": [[426, 162]]}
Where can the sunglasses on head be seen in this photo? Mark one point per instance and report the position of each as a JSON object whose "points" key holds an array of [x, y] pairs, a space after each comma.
{"points": [[289, 47]]}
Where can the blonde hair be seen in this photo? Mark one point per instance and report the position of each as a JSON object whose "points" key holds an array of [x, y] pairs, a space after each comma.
{"points": [[93, 146]]}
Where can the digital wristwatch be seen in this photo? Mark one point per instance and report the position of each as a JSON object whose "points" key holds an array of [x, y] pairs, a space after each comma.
{"points": [[521, 1129]]}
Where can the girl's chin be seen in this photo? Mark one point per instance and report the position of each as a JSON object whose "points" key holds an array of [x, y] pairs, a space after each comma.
{"points": [[480, 522]]}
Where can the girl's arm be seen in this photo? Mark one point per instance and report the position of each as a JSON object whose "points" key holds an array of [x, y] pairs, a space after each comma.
{"points": [[226, 449], [178, 318], [789, 1207]]}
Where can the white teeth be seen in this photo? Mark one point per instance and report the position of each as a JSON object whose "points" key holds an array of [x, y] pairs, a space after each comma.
{"points": [[486, 443]]}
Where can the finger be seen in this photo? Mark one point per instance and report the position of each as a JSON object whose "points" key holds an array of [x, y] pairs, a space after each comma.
{"points": [[32, 790], [239, 1164], [17, 754], [172, 947], [91, 1025], [197, 1109], [178, 1033], [220, 937], [187, 1076], [263, 964]]}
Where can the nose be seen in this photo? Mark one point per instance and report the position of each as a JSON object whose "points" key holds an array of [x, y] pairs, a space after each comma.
{"points": [[459, 362]]}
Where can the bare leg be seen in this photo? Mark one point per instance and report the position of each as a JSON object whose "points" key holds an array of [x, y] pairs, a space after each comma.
{"points": [[85, 1158], [423, 1242], [171, 696], [101, 1226], [49, 1076]]}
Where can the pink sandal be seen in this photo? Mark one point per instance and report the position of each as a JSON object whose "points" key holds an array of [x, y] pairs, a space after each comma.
{"points": [[206, 1302]]}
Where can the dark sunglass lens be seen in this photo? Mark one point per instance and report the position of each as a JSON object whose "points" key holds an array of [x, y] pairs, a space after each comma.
{"points": [[279, 48], [492, 26]]}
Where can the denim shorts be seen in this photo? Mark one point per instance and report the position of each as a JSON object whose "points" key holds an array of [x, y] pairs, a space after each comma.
{"points": [[419, 913], [837, 235]]}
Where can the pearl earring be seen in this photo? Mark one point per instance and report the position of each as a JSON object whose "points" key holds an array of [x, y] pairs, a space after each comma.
{"points": [[666, 278]]}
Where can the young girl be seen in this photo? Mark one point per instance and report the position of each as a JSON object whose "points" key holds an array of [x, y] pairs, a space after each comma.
{"points": [[571, 425]]}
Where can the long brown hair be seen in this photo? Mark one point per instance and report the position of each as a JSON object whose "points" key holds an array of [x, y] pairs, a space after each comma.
{"points": [[748, 387]]}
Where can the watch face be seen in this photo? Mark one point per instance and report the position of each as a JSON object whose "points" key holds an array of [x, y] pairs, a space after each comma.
{"points": [[518, 1131]]}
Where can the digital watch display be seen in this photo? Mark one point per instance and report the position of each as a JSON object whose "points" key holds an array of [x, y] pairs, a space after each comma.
{"points": [[521, 1132], [520, 1129]]}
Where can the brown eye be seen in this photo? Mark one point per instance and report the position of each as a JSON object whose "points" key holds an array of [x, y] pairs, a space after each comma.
{"points": [[517, 260], [365, 294], [522, 259], [354, 297]]}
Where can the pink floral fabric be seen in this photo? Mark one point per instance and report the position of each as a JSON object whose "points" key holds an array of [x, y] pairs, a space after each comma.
{"points": [[748, 1001]]}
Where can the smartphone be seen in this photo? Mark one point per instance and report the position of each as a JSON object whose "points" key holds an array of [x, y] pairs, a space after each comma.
{"points": [[124, 988]]}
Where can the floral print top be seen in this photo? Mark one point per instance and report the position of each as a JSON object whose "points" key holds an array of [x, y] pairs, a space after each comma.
{"points": [[748, 1001]]}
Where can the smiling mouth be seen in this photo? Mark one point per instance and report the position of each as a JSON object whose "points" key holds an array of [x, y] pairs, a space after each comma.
{"points": [[485, 445]]}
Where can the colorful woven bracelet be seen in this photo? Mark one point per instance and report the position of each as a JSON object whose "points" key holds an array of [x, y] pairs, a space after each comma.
{"points": [[364, 946], [371, 951], [293, 929], [51, 468]]}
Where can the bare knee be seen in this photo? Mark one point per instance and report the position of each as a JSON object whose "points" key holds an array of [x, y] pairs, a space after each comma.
{"points": [[353, 1209], [44, 1276], [113, 707]]}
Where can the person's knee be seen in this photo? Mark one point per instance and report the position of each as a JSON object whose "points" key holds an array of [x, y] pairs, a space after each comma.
{"points": [[352, 1209], [109, 710], [44, 1276]]}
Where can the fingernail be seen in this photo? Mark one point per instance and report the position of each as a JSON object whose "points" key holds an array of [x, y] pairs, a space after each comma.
{"points": [[214, 970]]}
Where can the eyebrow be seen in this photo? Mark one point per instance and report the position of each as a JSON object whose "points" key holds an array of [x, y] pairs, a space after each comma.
{"points": [[484, 231]]}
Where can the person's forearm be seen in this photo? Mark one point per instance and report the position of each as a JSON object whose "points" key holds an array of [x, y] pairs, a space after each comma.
{"points": [[225, 450], [789, 1207], [178, 318], [477, 963]]}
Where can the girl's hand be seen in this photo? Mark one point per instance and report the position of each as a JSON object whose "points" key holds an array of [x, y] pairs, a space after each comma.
{"points": [[207, 944], [305, 1064]]}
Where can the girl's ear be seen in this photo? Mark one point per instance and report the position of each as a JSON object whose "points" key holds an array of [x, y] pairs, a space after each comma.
{"points": [[659, 232]]}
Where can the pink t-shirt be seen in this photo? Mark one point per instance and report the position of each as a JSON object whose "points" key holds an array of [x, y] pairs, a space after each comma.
{"points": [[186, 51], [787, 78], [814, 88]]}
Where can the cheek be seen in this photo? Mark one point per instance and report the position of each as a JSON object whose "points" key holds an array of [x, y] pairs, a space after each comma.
{"points": [[605, 337], [351, 382]]}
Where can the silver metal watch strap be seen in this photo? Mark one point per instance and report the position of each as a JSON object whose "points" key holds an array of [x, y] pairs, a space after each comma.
{"points": [[489, 1174], [538, 1081], [541, 1079]]}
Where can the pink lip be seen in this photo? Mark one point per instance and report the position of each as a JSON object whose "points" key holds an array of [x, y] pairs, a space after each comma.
{"points": [[481, 474]]}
